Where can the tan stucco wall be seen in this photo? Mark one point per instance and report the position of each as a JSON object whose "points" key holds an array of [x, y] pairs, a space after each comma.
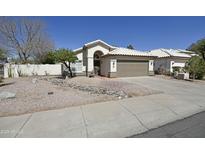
{"points": [[105, 67], [112, 75]]}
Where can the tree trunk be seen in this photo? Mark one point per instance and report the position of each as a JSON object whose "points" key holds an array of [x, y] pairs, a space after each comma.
{"points": [[71, 74], [69, 68], [25, 58]]}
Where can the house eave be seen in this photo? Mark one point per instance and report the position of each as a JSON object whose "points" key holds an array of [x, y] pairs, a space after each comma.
{"points": [[129, 55], [93, 43]]}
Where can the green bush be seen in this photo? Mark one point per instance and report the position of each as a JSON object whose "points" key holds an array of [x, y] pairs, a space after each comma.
{"points": [[196, 67], [176, 69], [49, 58]]}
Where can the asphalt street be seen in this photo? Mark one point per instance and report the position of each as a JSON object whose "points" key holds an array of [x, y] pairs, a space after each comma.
{"points": [[191, 127]]}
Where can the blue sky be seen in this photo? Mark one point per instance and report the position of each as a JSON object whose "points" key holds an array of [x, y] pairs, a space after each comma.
{"points": [[144, 33]]}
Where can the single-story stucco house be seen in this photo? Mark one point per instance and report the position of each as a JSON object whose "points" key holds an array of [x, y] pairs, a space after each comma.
{"points": [[169, 58], [110, 61]]}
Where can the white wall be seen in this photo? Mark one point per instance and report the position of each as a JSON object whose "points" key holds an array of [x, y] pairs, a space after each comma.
{"points": [[80, 56], [90, 64], [90, 55], [31, 69], [77, 67], [80, 60]]}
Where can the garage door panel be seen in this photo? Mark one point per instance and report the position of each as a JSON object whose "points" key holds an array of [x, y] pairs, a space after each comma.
{"points": [[132, 68]]}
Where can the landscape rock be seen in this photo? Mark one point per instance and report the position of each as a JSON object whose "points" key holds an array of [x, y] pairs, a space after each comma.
{"points": [[7, 95], [50, 93], [90, 89]]}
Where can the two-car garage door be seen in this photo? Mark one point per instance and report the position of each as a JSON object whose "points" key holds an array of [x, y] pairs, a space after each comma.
{"points": [[131, 68]]}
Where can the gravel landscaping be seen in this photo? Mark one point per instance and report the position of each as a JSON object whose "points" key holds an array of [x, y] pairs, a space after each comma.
{"points": [[34, 94], [129, 89]]}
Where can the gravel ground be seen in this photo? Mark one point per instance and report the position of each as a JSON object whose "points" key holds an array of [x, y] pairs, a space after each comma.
{"points": [[33, 97]]}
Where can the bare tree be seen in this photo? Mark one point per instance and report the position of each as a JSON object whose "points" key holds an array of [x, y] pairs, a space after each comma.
{"points": [[24, 37], [42, 47]]}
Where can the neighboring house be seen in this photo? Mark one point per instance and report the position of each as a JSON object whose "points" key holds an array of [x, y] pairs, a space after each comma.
{"points": [[169, 58], [107, 60]]}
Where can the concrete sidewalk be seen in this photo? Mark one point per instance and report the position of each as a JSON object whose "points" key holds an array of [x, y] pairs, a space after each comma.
{"points": [[121, 118]]}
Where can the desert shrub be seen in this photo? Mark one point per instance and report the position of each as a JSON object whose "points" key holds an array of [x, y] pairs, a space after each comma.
{"points": [[167, 73], [161, 70], [176, 70]]}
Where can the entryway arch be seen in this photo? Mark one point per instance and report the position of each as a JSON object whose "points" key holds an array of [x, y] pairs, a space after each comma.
{"points": [[96, 61]]}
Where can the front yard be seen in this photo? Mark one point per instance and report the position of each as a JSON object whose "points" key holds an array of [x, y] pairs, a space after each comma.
{"points": [[45, 93]]}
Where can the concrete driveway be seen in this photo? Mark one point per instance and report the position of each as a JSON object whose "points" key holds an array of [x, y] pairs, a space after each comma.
{"points": [[121, 118], [177, 94]]}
